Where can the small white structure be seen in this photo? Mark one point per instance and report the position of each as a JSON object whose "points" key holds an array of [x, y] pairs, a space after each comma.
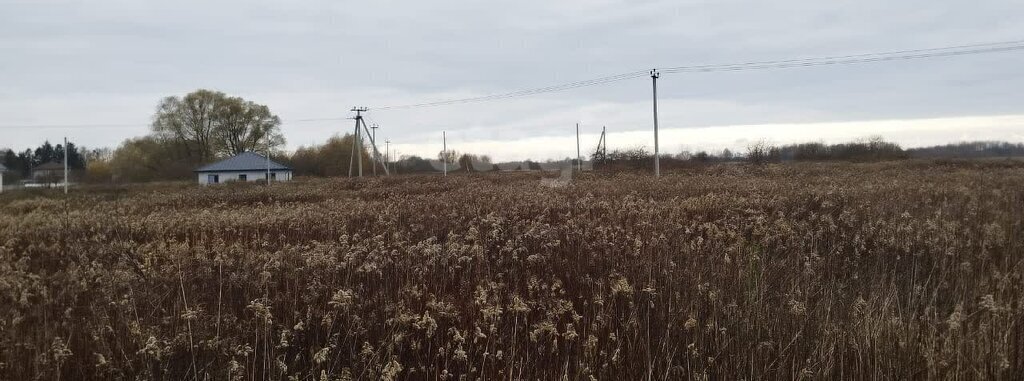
{"points": [[2, 170], [246, 166]]}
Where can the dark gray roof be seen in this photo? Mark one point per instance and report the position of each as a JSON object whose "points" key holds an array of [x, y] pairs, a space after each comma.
{"points": [[246, 161], [49, 166]]}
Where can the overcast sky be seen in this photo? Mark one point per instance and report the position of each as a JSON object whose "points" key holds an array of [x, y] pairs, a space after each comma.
{"points": [[107, 63]]}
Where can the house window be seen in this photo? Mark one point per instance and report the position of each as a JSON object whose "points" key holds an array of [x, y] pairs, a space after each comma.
{"points": [[243, 177], [212, 179]]}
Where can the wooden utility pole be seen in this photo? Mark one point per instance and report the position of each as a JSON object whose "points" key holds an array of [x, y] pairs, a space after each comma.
{"points": [[654, 86]]}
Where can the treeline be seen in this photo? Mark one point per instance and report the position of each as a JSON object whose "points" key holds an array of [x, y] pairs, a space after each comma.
{"points": [[970, 150], [205, 126], [333, 158], [872, 149], [329, 159], [20, 164], [456, 163]]}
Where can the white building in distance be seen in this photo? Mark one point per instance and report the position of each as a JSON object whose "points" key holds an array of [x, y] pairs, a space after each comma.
{"points": [[246, 166]]}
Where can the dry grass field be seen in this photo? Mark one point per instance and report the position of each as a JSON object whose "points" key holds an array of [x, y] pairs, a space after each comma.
{"points": [[906, 270]]}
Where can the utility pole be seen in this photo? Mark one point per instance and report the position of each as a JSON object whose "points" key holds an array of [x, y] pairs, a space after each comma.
{"points": [[66, 151], [579, 160], [444, 151], [387, 153], [376, 152], [357, 144], [604, 145], [268, 159], [654, 86], [373, 139]]}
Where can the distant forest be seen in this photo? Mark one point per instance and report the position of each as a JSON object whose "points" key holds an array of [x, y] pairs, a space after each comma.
{"points": [[874, 149], [970, 150], [154, 159]]}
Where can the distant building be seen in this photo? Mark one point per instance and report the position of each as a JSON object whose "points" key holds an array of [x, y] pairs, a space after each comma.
{"points": [[48, 173], [2, 170], [246, 166]]}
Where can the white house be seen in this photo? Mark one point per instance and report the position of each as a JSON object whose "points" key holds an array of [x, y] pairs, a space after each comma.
{"points": [[246, 166], [2, 170]]}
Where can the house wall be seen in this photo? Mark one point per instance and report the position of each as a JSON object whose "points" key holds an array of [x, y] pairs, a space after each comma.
{"points": [[251, 176], [48, 175]]}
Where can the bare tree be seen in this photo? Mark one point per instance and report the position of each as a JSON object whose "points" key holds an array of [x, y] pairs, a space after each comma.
{"points": [[762, 152], [447, 156]]}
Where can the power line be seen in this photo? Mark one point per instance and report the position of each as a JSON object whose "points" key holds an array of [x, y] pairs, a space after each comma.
{"points": [[829, 58], [316, 119], [520, 93], [837, 61], [947, 51], [63, 126]]}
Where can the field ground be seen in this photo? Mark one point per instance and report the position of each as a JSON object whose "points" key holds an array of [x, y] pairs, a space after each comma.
{"points": [[901, 270]]}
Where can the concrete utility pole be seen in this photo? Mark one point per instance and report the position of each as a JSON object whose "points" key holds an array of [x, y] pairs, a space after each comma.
{"points": [[66, 152], [387, 153], [376, 152], [654, 86], [357, 144], [604, 144], [444, 151], [579, 160]]}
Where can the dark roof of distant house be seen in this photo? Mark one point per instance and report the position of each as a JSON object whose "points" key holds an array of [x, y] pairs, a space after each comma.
{"points": [[245, 161], [49, 166]]}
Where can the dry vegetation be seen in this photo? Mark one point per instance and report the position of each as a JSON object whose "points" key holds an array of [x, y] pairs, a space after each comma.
{"points": [[839, 271]]}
